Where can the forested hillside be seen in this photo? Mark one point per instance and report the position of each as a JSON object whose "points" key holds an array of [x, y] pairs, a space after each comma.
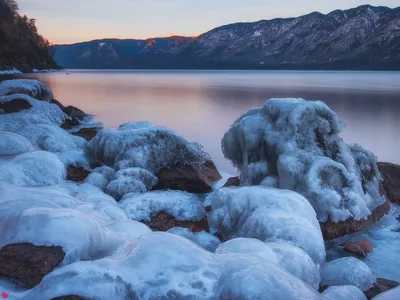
{"points": [[21, 46]]}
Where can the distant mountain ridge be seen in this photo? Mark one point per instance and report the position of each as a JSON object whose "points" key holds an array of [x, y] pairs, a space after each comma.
{"points": [[365, 37]]}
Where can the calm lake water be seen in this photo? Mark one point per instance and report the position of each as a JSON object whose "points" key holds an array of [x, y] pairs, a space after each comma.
{"points": [[201, 105]]}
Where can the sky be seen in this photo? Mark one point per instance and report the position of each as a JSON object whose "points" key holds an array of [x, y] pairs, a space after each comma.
{"points": [[71, 21]]}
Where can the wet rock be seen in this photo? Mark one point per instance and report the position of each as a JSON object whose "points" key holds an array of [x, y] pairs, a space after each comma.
{"points": [[86, 133], [70, 123], [332, 230], [77, 174], [74, 112], [28, 264], [381, 285], [192, 178], [163, 221], [233, 181], [360, 248], [15, 105], [391, 180]]}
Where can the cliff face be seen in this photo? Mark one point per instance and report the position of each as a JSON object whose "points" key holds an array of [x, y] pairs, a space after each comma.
{"points": [[365, 37], [21, 46]]}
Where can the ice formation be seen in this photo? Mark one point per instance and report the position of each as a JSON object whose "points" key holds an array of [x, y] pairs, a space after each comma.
{"points": [[144, 146], [37, 168], [347, 271], [13, 144], [32, 88], [10, 72], [204, 239], [180, 205], [296, 144], [70, 149], [41, 112], [389, 295], [297, 262], [344, 292], [270, 215]]}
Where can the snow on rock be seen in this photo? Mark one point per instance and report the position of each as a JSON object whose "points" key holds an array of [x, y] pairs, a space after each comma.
{"points": [[347, 271], [297, 262], [180, 205], [13, 144], [37, 168], [32, 88], [41, 112], [144, 146], [389, 295], [131, 180], [248, 246], [298, 143], [204, 239], [80, 235], [344, 292], [267, 214], [154, 266], [69, 149]]}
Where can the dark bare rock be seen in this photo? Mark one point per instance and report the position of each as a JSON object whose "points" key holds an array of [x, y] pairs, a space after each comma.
{"points": [[77, 174], [86, 133], [232, 181], [15, 105], [381, 285], [69, 123], [360, 248], [69, 297], [28, 264], [163, 221], [332, 230], [74, 112], [391, 180], [192, 178]]}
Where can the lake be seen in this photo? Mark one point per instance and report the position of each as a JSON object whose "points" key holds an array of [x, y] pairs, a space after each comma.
{"points": [[201, 105]]}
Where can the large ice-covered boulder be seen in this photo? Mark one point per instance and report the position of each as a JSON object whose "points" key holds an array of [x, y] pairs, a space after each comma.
{"points": [[295, 144], [30, 87], [177, 164], [344, 292], [267, 214], [13, 144], [347, 271]]}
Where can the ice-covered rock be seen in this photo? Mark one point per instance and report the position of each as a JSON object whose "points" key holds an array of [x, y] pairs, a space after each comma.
{"points": [[33, 88], [69, 149], [131, 180], [389, 295], [297, 142], [80, 235], [204, 239], [128, 229], [267, 214], [347, 271], [381, 285], [248, 246], [40, 112], [344, 292], [101, 177], [13, 144], [37, 168], [250, 277], [180, 206], [154, 266], [297, 262]]}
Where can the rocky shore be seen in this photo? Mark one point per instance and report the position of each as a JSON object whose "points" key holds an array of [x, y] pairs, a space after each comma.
{"points": [[139, 212]]}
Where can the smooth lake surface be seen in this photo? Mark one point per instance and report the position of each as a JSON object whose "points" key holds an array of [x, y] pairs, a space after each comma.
{"points": [[201, 105]]}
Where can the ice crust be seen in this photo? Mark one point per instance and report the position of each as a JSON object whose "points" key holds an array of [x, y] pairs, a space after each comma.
{"points": [[181, 205], [203, 239], [344, 292], [13, 144], [347, 271], [296, 144], [32, 88], [270, 215]]}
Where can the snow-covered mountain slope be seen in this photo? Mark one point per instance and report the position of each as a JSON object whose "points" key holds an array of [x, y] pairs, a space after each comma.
{"points": [[365, 37]]}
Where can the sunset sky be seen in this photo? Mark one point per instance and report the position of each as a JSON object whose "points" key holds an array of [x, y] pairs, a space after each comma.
{"points": [[69, 21]]}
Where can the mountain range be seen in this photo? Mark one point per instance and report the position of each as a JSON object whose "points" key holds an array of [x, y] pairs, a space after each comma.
{"points": [[365, 37]]}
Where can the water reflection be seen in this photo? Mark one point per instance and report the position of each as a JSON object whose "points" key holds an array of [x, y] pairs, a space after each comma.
{"points": [[201, 105]]}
